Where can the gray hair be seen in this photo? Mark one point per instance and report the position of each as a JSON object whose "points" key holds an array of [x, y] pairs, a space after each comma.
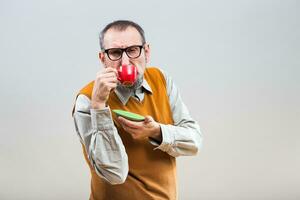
{"points": [[121, 25]]}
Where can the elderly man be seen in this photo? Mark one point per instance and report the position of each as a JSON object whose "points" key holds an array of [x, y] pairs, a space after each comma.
{"points": [[132, 159]]}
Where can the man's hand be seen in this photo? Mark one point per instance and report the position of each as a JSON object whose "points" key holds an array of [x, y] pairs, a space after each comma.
{"points": [[106, 80], [143, 129]]}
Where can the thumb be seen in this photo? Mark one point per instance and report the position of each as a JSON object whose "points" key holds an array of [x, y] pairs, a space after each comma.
{"points": [[148, 119]]}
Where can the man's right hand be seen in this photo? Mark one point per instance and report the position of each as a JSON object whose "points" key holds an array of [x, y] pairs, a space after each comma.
{"points": [[106, 80]]}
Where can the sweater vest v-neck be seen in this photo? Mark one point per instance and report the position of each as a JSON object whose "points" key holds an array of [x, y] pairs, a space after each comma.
{"points": [[152, 173]]}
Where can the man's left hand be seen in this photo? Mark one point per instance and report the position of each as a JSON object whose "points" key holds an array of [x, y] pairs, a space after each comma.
{"points": [[140, 130]]}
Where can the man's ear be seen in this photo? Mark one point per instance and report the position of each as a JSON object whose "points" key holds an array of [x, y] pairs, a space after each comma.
{"points": [[147, 52], [101, 56]]}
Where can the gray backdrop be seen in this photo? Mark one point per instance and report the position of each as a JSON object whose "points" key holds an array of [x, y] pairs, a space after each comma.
{"points": [[235, 62]]}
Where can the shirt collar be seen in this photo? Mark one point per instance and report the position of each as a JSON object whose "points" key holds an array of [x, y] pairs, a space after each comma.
{"points": [[146, 86], [124, 94]]}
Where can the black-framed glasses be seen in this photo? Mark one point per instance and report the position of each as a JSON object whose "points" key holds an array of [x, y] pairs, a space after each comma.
{"points": [[115, 54]]}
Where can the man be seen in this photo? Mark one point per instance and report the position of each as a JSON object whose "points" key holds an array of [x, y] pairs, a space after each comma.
{"points": [[128, 159]]}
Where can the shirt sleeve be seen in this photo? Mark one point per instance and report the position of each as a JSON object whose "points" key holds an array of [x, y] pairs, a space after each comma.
{"points": [[183, 138], [104, 147]]}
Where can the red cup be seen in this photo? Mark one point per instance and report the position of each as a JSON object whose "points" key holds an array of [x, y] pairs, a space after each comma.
{"points": [[127, 75]]}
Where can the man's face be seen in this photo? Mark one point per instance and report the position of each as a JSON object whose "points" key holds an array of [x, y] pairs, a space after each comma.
{"points": [[122, 39]]}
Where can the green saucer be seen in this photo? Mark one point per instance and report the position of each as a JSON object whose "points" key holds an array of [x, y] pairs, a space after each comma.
{"points": [[129, 115]]}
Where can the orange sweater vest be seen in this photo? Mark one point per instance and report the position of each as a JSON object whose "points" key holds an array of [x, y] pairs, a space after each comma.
{"points": [[152, 173]]}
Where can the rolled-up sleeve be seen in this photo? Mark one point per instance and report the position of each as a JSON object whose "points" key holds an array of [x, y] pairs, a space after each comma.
{"points": [[98, 134]]}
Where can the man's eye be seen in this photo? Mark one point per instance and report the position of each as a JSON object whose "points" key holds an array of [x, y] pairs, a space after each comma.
{"points": [[115, 52], [133, 49]]}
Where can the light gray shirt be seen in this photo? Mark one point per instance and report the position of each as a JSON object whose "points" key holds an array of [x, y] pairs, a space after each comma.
{"points": [[106, 152]]}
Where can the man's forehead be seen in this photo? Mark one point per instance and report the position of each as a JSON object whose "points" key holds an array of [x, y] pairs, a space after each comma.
{"points": [[116, 37]]}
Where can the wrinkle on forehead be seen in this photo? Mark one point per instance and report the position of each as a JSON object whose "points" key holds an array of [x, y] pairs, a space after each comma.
{"points": [[115, 38]]}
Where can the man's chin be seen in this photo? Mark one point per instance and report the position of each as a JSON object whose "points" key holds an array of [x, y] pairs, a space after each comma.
{"points": [[135, 85]]}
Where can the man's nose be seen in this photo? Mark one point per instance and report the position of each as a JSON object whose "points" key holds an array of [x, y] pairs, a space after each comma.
{"points": [[125, 59]]}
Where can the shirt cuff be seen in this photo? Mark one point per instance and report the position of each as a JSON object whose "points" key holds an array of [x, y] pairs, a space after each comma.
{"points": [[102, 119], [167, 139]]}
